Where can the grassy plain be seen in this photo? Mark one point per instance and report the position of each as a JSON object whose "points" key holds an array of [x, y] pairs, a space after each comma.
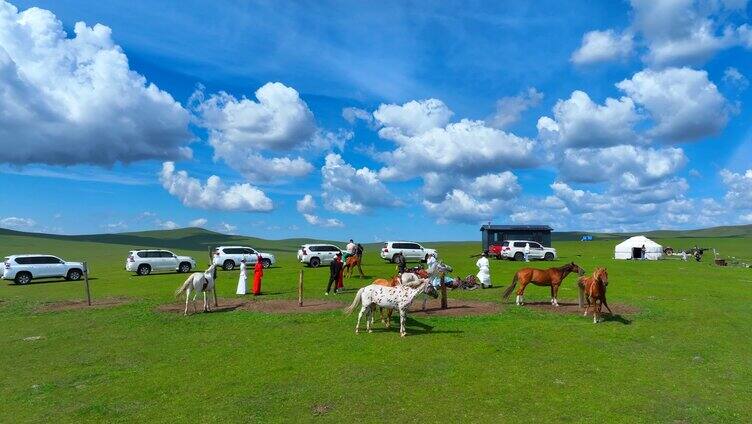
{"points": [[684, 357]]}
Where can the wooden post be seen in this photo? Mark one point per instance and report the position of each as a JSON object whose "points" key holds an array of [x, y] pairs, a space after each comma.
{"points": [[86, 283], [581, 296], [300, 288], [443, 293], [214, 289]]}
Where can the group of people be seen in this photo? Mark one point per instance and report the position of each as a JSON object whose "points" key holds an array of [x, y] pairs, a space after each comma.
{"points": [[258, 273]]}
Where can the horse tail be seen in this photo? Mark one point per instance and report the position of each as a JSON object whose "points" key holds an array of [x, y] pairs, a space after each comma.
{"points": [[511, 287], [185, 286], [357, 299]]}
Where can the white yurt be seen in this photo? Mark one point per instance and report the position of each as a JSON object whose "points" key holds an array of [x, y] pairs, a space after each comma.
{"points": [[631, 248]]}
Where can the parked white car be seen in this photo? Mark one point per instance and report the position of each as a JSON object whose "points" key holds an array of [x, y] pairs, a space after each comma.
{"points": [[144, 262], [515, 250], [315, 255], [23, 268], [229, 257], [410, 250]]}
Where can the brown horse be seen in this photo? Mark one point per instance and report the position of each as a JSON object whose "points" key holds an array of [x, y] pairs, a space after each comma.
{"points": [[352, 262], [594, 289], [541, 277]]}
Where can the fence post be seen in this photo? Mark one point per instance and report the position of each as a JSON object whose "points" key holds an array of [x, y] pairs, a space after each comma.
{"points": [[214, 276], [581, 296], [86, 283], [443, 293], [300, 288]]}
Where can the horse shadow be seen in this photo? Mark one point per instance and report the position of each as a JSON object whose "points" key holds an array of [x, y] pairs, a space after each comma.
{"points": [[616, 318], [220, 309], [414, 328]]}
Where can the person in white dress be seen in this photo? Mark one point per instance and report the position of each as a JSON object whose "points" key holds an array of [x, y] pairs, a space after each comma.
{"points": [[243, 279], [484, 271], [527, 252]]}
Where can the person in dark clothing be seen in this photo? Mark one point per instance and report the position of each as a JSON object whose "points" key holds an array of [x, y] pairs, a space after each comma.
{"points": [[335, 269], [401, 263], [359, 253]]}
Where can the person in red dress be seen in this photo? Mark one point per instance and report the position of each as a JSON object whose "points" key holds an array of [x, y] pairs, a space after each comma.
{"points": [[258, 272]]}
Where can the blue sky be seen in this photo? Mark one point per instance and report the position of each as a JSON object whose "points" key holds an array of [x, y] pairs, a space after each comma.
{"points": [[402, 120]]}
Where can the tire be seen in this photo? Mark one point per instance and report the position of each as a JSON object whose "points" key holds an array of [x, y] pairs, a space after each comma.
{"points": [[74, 275], [548, 256], [22, 278], [314, 262], [184, 267], [519, 256], [143, 270], [229, 265], [267, 263]]}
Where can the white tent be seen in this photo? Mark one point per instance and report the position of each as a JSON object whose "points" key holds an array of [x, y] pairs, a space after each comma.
{"points": [[631, 248]]}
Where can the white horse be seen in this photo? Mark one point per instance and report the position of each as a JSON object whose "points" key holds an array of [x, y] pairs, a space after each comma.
{"points": [[410, 279], [398, 298], [198, 282]]}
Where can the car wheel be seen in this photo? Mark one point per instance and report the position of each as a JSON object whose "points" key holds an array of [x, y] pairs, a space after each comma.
{"points": [[266, 263], [73, 275], [229, 265], [143, 270], [184, 267], [22, 278], [549, 256], [519, 256], [314, 262]]}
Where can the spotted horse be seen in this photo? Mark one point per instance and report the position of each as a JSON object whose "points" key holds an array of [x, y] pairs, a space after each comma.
{"points": [[399, 298]]}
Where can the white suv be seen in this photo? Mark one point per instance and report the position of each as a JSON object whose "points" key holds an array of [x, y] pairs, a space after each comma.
{"points": [[228, 257], [515, 249], [22, 268], [411, 251], [143, 262], [317, 254]]}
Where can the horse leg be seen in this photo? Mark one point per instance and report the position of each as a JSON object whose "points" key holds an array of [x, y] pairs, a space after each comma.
{"points": [[206, 307], [369, 318], [603, 299], [521, 293], [403, 318], [552, 295], [587, 307], [425, 299], [596, 311], [193, 301], [187, 296], [555, 289], [360, 315]]}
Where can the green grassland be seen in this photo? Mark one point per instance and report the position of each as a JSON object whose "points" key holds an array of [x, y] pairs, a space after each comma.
{"points": [[685, 356]]}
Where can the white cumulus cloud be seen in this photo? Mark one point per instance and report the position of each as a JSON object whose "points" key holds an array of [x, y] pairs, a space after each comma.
{"points": [[350, 190], [684, 104], [510, 109], [738, 188], [75, 100], [603, 46], [17, 223], [412, 118], [214, 194], [198, 222]]}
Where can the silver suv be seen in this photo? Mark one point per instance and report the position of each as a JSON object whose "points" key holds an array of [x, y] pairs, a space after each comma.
{"points": [[410, 250], [228, 257], [143, 262], [317, 254], [22, 268]]}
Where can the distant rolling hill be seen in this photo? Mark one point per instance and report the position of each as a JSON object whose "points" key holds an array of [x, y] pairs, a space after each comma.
{"points": [[201, 239], [183, 238]]}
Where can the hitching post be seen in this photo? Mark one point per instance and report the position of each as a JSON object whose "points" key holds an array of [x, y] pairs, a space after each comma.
{"points": [[300, 288], [443, 293], [86, 283]]}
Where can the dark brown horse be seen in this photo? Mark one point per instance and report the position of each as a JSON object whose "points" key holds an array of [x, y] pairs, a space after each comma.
{"points": [[541, 277], [594, 290]]}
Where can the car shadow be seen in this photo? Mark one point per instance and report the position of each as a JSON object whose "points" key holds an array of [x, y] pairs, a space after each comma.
{"points": [[48, 280]]}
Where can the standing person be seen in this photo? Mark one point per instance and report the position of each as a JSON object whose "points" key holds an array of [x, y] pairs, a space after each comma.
{"points": [[484, 271], [527, 252], [335, 270], [401, 263], [359, 253], [643, 251], [243, 279], [258, 272]]}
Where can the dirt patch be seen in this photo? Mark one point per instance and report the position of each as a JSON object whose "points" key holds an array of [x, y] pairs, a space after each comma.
{"points": [[455, 308], [72, 305], [273, 306], [574, 308]]}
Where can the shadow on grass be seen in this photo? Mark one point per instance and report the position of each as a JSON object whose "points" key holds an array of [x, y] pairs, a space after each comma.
{"points": [[616, 318], [48, 280]]}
